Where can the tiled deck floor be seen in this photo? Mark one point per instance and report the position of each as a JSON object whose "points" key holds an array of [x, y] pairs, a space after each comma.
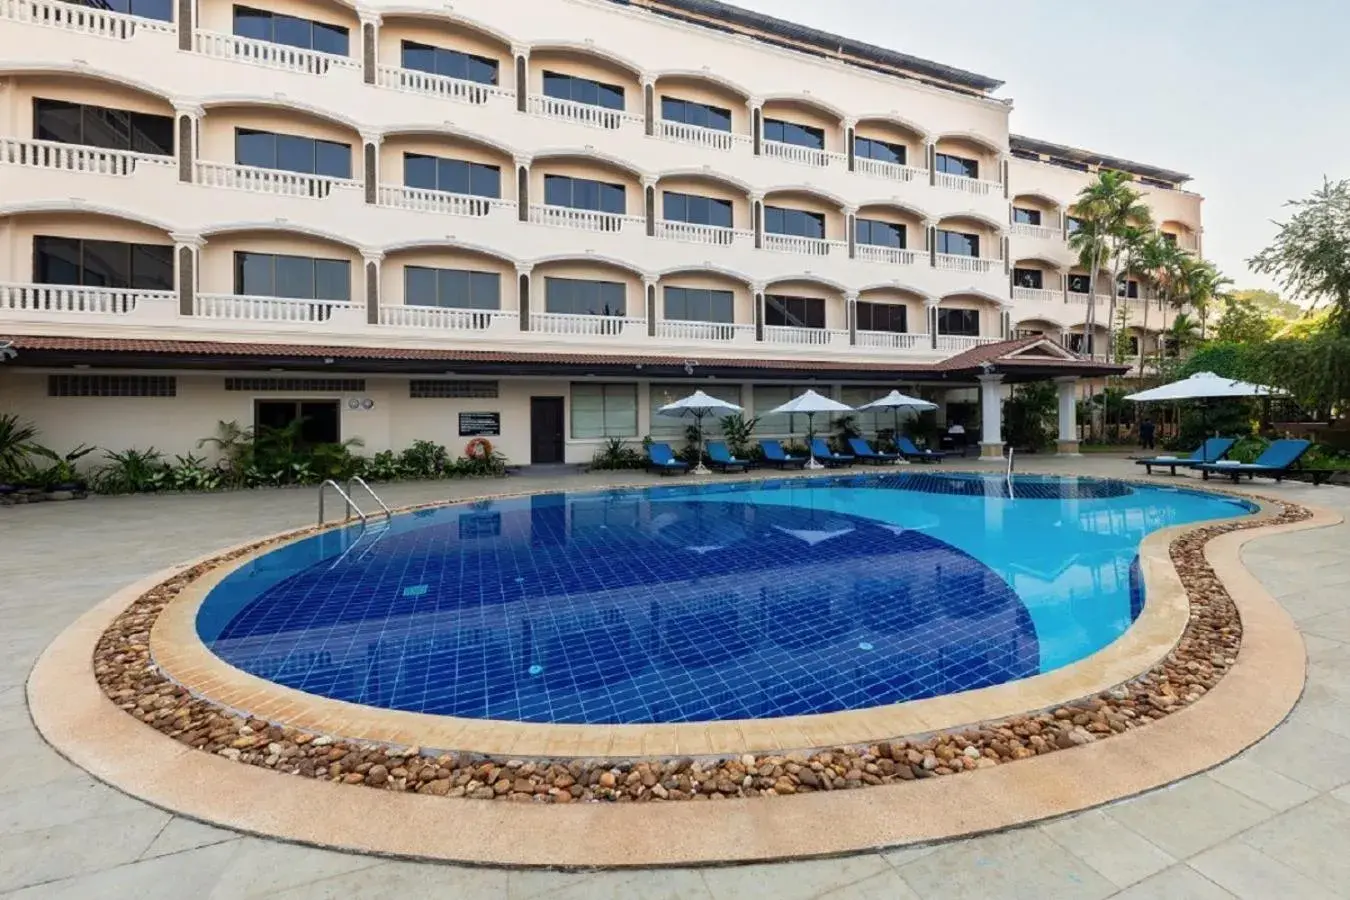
{"points": [[1273, 823]]}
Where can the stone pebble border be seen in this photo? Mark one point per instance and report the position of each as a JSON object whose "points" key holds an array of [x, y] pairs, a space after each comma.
{"points": [[1208, 647]]}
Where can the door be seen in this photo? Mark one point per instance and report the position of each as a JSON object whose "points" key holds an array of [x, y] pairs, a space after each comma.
{"points": [[319, 420], [546, 429]]}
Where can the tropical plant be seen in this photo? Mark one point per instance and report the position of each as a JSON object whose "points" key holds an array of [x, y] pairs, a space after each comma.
{"points": [[1242, 321], [1315, 371], [383, 466], [1160, 263], [424, 460], [1105, 209], [1029, 416], [131, 472], [1310, 256], [62, 470], [739, 431], [616, 454], [1201, 286], [235, 445], [845, 427], [1183, 333], [191, 473], [16, 443]]}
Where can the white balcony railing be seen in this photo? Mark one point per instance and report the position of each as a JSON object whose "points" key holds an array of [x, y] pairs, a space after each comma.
{"points": [[268, 309], [969, 185], [1075, 297], [443, 86], [84, 19], [75, 157], [789, 334], [1035, 295], [584, 113], [400, 196], [440, 318], [714, 235], [703, 331], [956, 263], [807, 156], [1035, 231], [585, 219], [895, 256], [805, 246], [697, 134], [269, 181], [266, 53], [66, 298], [890, 171], [567, 323], [961, 341], [892, 340]]}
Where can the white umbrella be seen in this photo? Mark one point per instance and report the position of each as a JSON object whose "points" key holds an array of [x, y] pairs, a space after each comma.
{"points": [[1201, 386], [696, 406], [811, 403], [896, 401]]}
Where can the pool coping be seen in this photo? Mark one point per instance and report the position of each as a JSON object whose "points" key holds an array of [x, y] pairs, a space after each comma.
{"points": [[182, 656], [75, 716]]}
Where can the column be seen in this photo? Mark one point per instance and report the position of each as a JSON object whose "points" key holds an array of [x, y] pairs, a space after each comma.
{"points": [[370, 164], [851, 305], [187, 125], [1005, 321], [757, 292], [649, 302], [187, 21], [850, 132], [851, 229], [930, 314], [757, 218], [187, 249], [649, 202], [521, 54], [523, 295], [370, 43], [522, 165], [756, 105], [1003, 174], [371, 279], [991, 417], [649, 102], [930, 241], [1068, 415], [930, 160], [1005, 252]]}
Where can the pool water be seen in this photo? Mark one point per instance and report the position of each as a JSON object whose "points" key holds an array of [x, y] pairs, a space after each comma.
{"points": [[702, 601]]}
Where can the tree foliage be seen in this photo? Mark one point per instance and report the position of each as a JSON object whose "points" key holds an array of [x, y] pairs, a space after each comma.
{"points": [[1310, 256], [1270, 303], [1315, 371], [1243, 321]]}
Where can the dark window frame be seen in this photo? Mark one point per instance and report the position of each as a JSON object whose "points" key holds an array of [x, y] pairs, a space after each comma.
{"points": [[574, 292], [867, 148], [242, 259], [882, 317], [442, 165], [787, 311], [947, 245], [1024, 215], [865, 232], [704, 298], [316, 144], [1083, 281], [46, 109], [444, 286], [1022, 276], [446, 59], [320, 33], [962, 166], [673, 201], [686, 110], [578, 89], [959, 322], [808, 136], [554, 183], [47, 256], [786, 216]]}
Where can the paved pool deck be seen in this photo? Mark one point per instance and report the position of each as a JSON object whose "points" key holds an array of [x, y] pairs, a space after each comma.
{"points": [[1274, 821]]}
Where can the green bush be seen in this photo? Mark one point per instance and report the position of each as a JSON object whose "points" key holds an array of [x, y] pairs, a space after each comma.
{"points": [[615, 455]]}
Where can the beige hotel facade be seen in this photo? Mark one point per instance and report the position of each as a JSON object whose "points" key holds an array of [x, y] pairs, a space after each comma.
{"points": [[552, 214]]}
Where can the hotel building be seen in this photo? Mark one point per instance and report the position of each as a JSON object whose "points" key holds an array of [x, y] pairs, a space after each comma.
{"points": [[549, 216]]}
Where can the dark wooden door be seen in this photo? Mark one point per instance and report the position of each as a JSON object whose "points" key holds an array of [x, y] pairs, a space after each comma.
{"points": [[546, 429]]}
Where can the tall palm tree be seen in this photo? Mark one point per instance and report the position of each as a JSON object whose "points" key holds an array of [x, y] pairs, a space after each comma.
{"points": [[1184, 331], [1129, 244], [1202, 286], [1159, 263], [1104, 209]]}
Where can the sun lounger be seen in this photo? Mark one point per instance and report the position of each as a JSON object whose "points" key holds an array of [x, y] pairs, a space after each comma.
{"points": [[1212, 450], [661, 459], [864, 452], [775, 456], [720, 458], [822, 452], [1276, 462], [911, 452]]}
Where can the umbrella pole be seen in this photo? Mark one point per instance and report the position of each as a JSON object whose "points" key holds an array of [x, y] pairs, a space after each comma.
{"points": [[700, 468], [810, 442]]}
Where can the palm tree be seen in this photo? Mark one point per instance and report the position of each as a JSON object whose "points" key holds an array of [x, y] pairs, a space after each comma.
{"points": [[1106, 209], [1129, 244], [1159, 263], [1201, 287], [1184, 332]]}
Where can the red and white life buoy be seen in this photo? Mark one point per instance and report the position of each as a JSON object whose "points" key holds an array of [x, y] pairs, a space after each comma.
{"points": [[478, 448]]}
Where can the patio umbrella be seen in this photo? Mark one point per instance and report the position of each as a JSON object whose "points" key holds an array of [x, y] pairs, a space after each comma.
{"points": [[1202, 386], [696, 406], [811, 403], [896, 401]]}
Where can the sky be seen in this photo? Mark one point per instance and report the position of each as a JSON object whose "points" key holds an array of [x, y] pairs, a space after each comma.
{"points": [[1251, 97]]}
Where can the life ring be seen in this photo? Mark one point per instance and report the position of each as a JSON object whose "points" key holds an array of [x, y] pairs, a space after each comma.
{"points": [[478, 448]]}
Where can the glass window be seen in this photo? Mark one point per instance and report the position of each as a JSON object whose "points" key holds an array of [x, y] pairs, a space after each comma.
{"points": [[146, 9], [451, 288], [604, 410], [98, 126], [292, 153], [965, 322], [957, 243], [876, 233], [1167, 236], [792, 133], [870, 421], [112, 264], [881, 317], [1075, 342], [455, 176], [450, 63], [669, 428], [1080, 284], [700, 305], [582, 193], [797, 222], [574, 296], [583, 90], [298, 277], [689, 112], [871, 148], [1128, 289], [795, 312], [958, 165], [696, 210], [772, 396], [1134, 346], [1073, 225], [1029, 278], [1026, 216], [291, 31]]}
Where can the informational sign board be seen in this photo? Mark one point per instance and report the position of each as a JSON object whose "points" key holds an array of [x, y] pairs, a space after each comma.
{"points": [[480, 424]]}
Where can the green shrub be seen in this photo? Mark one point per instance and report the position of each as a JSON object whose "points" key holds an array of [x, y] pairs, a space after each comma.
{"points": [[615, 454]]}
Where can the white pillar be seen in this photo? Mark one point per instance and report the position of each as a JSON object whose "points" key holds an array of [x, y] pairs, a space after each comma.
{"points": [[991, 417], [1068, 415]]}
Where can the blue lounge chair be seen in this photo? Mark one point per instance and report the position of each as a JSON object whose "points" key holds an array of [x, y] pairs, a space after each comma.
{"points": [[720, 458], [1278, 460], [1211, 450], [776, 456], [821, 451], [864, 452], [661, 459], [911, 452]]}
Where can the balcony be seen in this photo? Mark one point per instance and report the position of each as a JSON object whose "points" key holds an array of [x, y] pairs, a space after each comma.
{"points": [[242, 308], [444, 87], [397, 196], [76, 157], [270, 55], [1035, 295], [84, 19], [968, 185], [713, 235], [697, 134], [581, 113], [955, 263], [803, 246], [803, 337], [1039, 232], [270, 181], [1076, 297], [959, 342], [895, 256], [795, 153], [892, 340], [587, 325], [890, 171], [585, 219], [439, 318], [77, 300], [704, 331]]}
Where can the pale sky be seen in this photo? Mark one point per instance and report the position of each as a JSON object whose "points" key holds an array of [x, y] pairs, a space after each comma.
{"points": [[1250, 97]]}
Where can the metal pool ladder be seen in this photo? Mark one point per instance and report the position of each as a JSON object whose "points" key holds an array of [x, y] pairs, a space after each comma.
{"points": [[1008, 476], [347, 498]]}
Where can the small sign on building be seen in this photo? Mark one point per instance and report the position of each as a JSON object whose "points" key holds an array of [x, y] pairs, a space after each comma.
{"points": [[480, 424]]}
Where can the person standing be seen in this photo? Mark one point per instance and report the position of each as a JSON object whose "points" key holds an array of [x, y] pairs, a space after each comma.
{"points": [[1146, 429]]}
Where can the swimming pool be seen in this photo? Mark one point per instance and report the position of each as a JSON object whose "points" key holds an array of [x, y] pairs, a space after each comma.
{"points": [[699, 602]]}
